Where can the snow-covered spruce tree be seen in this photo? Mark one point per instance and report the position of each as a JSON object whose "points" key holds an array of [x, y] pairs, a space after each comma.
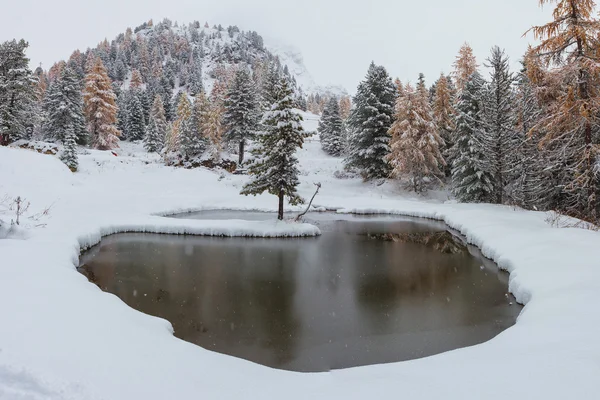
{"points": [[369, 123], [270, 84], [443, 116], [533, 184], [156, 131], [464, 66], [499, 140], [136, 125], [241, 111], [572, 116], [64, 109], [470, 181], [17, 91], [69, 154], [100, 108], [123, 113], [415, 144], [331, 129], [275, 166], [195, 84]]}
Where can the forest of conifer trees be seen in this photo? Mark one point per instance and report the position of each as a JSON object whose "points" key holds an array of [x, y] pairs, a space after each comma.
{"points": [[489, 134]]}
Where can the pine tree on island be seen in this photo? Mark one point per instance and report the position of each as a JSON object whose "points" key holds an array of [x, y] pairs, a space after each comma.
{"points": [[275, 166]]}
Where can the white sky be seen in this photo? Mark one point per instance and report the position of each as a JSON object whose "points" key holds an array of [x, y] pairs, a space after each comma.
{"points": [[338, 38]]}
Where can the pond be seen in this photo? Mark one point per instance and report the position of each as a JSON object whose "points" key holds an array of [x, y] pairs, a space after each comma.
{"points": [[370, 290]]}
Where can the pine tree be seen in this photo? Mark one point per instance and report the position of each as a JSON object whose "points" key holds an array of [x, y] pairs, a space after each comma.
{"points": [[195, 84], [464, 66], [191, 136], [241, 111], [415, 145], [470, 181], [136, 125], [64, 108], [443, 115], [156, 132], [331, 129], [69, 154], [100, 108], [533, 184], [123, 113], [369, 122], [275, 167], [270, 85], [17, 91], [571, 39], [499, 141]]}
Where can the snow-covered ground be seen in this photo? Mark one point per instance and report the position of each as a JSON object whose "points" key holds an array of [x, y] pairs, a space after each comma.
{"points": [[63, 338]]}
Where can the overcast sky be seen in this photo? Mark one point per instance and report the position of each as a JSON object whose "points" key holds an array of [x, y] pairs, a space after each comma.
{"points": [[338, 38]]}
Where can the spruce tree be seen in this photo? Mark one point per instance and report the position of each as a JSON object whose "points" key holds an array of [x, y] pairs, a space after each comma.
{"points": [[443, 115], [499, 140], [136, 126], [156, 131], [536, 178], [415, 145], [470, 181], [191, 139], [17, 92], [331, 129], [369, 122], [123, 113], [275, 166], [270, 85], [100, 108], [241, 111], [64, 109], [69, 154]]}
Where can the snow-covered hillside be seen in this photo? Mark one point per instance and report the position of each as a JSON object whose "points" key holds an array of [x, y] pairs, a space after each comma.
{"points": [[292, 57], [61, 337]]}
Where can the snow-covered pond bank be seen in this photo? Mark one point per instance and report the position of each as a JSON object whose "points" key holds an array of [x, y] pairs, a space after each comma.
{"points": [[62, 337], [370, 290]]}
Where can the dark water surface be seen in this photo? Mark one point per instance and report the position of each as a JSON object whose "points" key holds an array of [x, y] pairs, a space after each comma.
{"points": [[370, 290]]}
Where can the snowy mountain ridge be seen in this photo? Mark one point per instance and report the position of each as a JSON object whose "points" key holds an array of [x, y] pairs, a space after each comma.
{"points": [[292, 57]]}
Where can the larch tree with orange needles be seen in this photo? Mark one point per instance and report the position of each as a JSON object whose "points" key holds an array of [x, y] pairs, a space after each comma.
{"points": [[464, 66], [415, 144], [569, 50], [100, 108]]}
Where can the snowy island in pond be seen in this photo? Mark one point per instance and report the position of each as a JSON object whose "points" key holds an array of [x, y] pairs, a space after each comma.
{"points": [[220, 228]]}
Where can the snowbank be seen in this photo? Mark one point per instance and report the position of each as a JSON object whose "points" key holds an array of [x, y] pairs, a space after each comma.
{"points": [[63, 338]]}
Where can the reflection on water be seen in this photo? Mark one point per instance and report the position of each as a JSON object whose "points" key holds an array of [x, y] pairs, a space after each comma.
{"points": [[369, 290]]}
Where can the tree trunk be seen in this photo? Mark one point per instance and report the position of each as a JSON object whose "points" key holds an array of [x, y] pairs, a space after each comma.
{"points": [[241, 152], [280, 213]]}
